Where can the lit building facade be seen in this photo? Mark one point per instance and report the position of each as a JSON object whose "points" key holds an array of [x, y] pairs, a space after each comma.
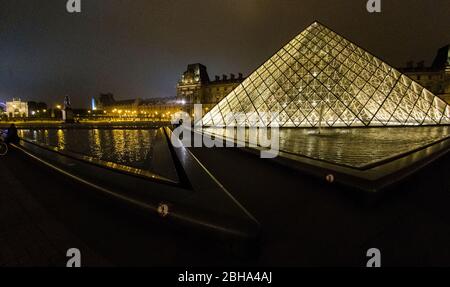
{"points": [[195, 87], [16, 109], [161, 109], [435, 78], [322, 79]]}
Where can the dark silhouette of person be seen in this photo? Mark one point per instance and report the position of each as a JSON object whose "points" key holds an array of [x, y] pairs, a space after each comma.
{"points": [[12, 135]]}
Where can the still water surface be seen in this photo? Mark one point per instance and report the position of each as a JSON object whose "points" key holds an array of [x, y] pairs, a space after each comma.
{"points": [[131, 147], [357, 147]]}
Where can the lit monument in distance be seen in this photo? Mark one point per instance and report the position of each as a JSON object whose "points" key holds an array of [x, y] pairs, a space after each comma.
{"points": [[16, 109], [67, 112]]}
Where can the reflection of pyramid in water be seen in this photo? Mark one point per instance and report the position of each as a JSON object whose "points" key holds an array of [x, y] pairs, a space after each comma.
{"points": [[321, 77]]}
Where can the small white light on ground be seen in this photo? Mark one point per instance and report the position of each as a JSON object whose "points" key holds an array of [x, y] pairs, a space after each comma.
{"points": [[330, 178], [163, 210]]}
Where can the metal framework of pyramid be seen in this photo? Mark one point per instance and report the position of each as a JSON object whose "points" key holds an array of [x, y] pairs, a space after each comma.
{"points": [[322, 79]]}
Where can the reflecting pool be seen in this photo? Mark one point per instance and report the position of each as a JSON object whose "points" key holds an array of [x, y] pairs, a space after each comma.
{"points": [[131, 147], [353, 147]]}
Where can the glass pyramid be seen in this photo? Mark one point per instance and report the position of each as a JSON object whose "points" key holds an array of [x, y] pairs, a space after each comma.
{"points": [[322, 79]]}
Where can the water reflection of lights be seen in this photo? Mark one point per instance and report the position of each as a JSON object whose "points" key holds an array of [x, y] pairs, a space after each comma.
{"points": [[127, 147], [61, 140], [356, 147]]}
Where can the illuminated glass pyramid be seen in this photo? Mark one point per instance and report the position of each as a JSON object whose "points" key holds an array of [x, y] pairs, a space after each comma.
{"points": [[322, 79]]}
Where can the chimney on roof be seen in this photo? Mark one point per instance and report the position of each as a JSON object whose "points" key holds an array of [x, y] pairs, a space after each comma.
{"points": [[217, 78], [225, 77], [232, 76], [240, 76]]}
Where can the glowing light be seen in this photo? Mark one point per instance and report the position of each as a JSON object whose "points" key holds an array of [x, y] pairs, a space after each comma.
{"points": [[94, 104], [163, 210], [330, 178]]}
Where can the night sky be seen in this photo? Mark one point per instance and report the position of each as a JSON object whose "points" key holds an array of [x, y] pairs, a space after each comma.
{"points": [[139, 48]]}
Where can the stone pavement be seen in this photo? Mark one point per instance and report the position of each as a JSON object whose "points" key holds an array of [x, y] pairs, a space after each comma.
{"points": [[29, 236], [309, 222]]}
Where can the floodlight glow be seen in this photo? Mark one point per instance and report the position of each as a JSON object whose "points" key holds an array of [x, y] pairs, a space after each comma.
{"points": [[322, 79]]}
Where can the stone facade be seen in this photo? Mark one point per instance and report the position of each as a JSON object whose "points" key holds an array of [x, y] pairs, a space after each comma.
{"points": [[16, 109], [195, 87], [161, 109]]}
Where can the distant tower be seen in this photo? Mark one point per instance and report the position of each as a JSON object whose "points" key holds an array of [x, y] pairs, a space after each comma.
{"points": [[67, 112]]}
